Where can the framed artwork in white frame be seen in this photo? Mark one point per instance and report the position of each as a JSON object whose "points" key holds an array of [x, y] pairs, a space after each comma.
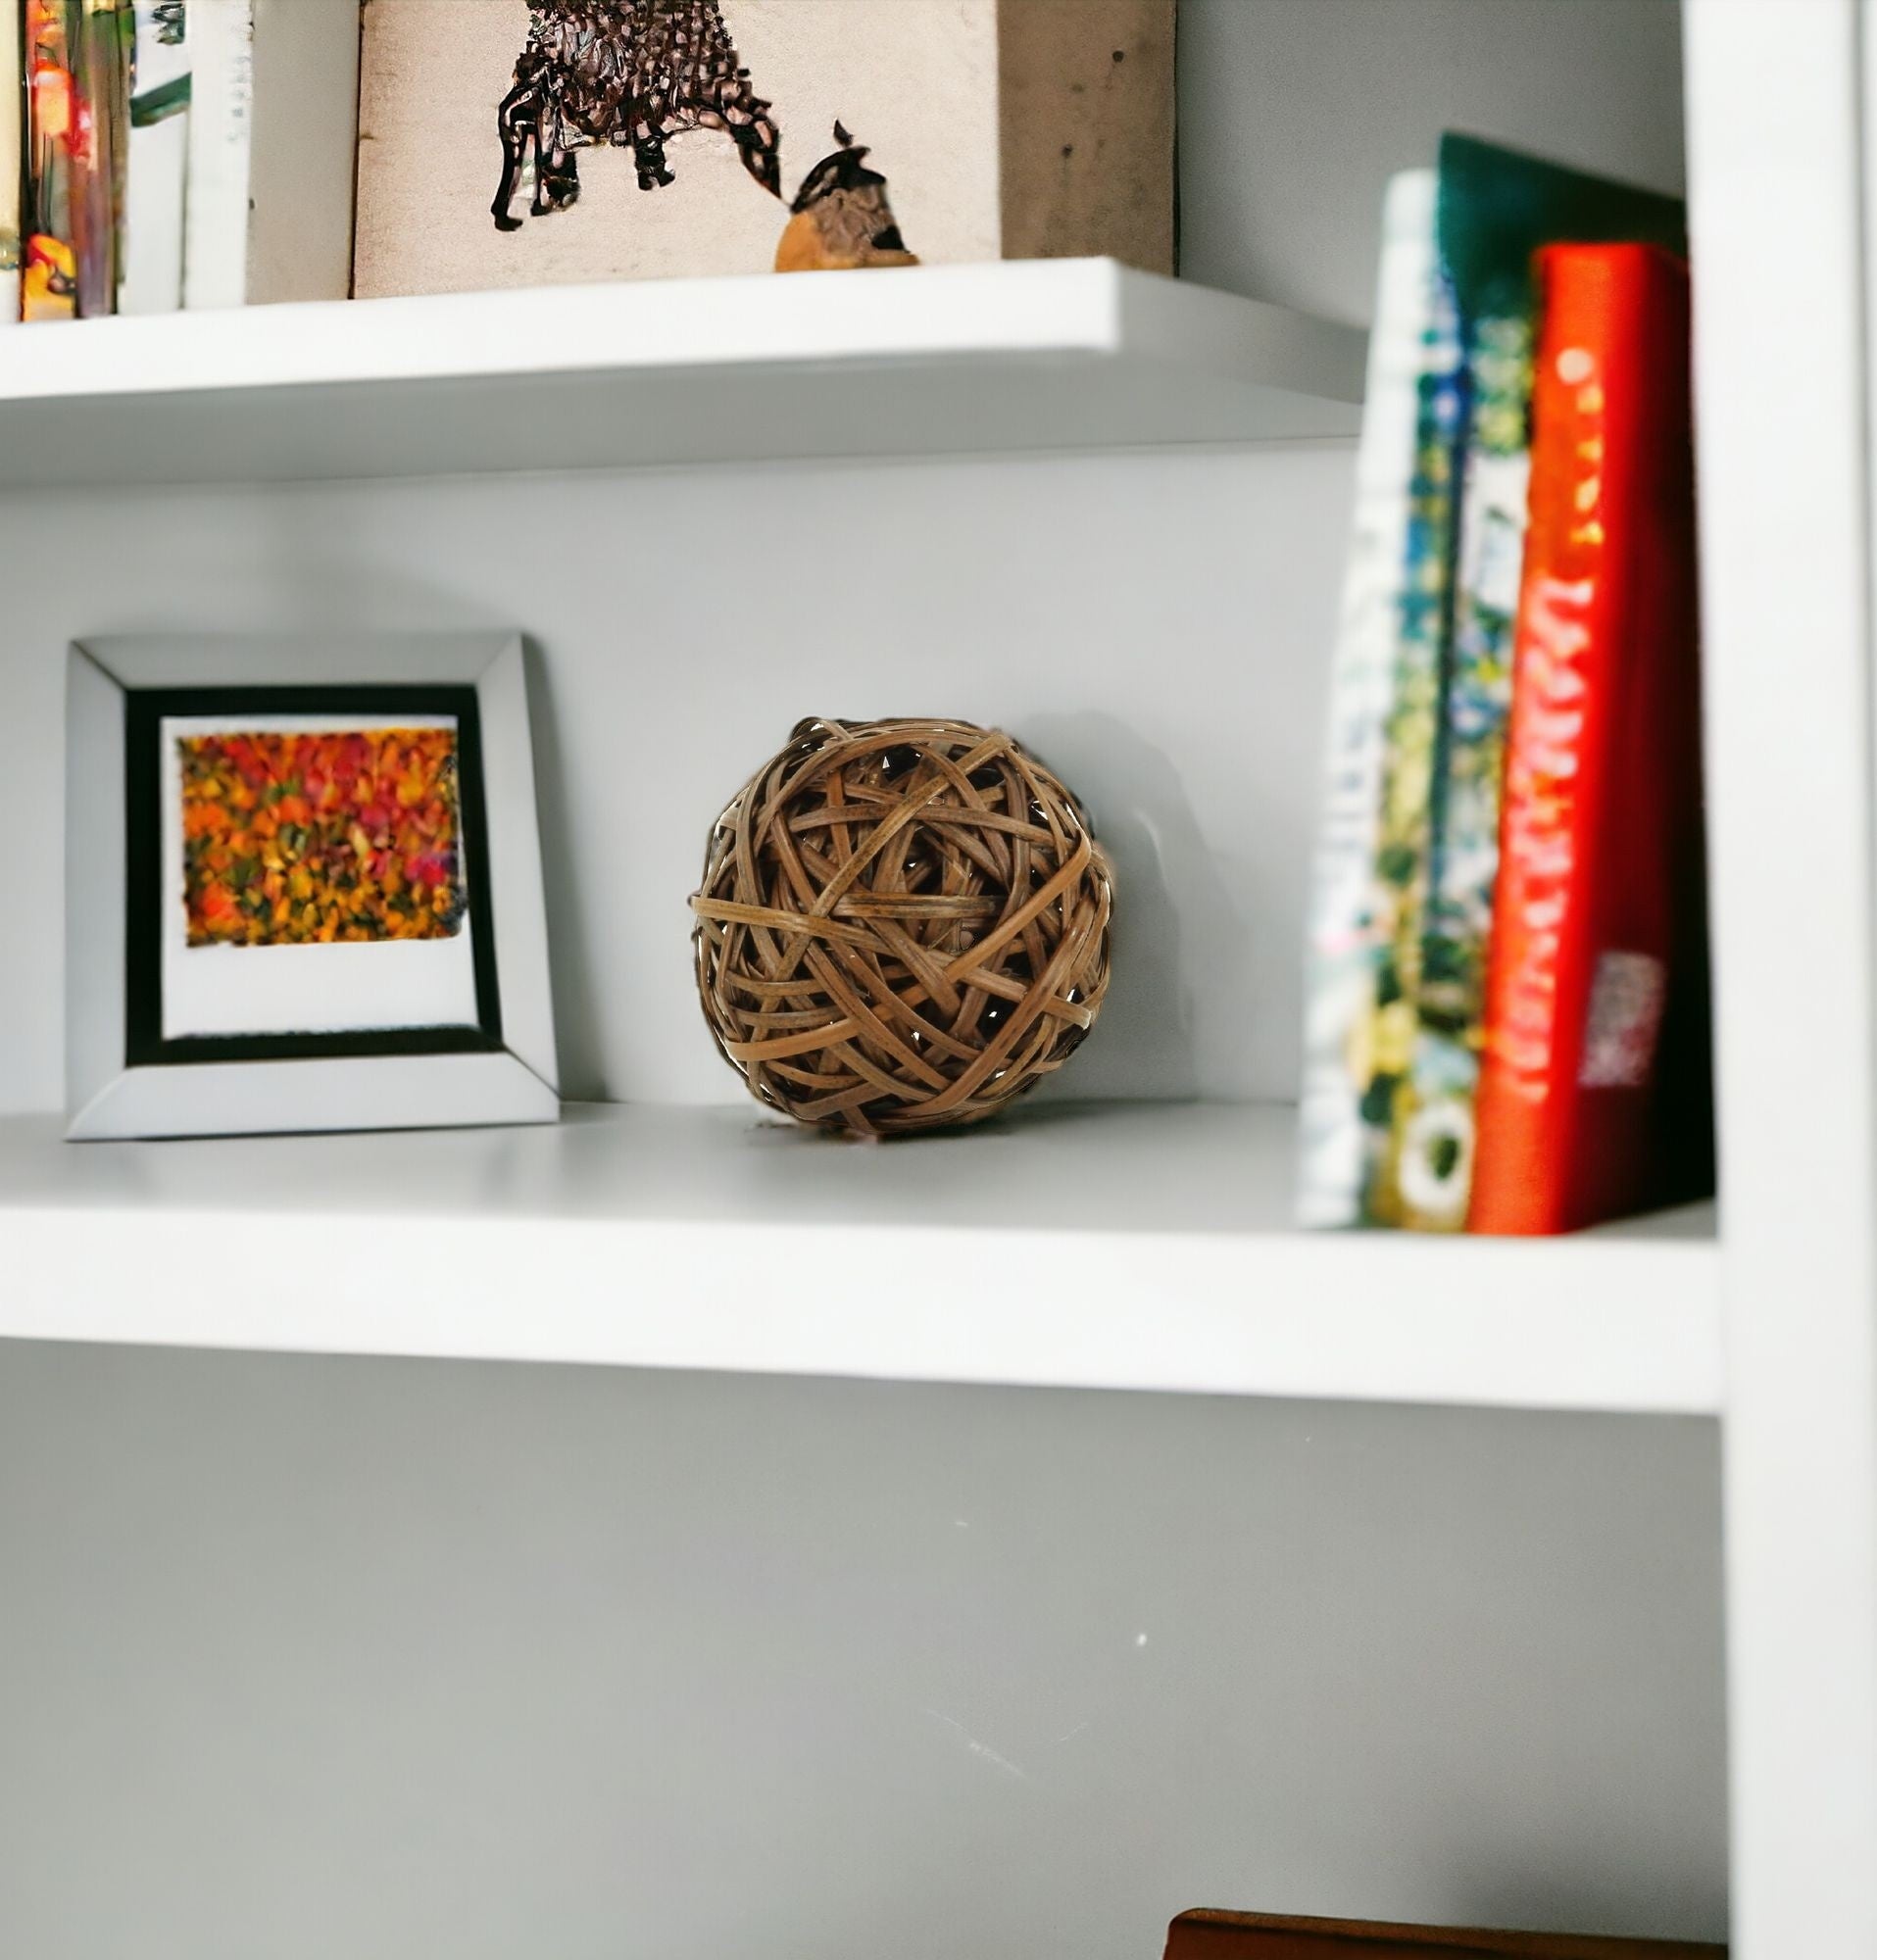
{"points": [[303, 887]]}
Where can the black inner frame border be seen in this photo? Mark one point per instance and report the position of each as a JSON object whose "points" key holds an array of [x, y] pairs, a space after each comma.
{"points": [[145, 710]]}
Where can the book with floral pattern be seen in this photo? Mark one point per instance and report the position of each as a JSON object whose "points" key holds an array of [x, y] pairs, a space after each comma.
{"points": [[1386, 651]]}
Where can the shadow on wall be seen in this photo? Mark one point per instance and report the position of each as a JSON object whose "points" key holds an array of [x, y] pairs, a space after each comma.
{"points": [[1174, 914], [576, 1013]]}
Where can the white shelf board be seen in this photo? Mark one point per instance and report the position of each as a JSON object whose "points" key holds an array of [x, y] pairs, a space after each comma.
{"points": [[1132, 1246], [1044, 354]]}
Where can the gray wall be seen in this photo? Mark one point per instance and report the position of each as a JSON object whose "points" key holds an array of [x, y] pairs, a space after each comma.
{"points": [[321, 1658], [1156, 625], [310, 1658], [1293, 113]]}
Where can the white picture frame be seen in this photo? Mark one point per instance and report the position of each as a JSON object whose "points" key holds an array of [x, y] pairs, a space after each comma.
{"points": [[121, 1082]]}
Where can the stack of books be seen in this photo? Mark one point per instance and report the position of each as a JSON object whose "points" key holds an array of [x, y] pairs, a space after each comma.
{"points": [[1507, 996], [145, 181]]}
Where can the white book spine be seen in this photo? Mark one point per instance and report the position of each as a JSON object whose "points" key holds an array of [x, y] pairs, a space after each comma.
{"points": [[1344, 932], [271, 147], [158, 175], [219, 151], [12, 140]]}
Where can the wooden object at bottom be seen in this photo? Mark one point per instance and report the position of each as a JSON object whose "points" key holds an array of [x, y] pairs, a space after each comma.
{"points": [[1257, 1936]]}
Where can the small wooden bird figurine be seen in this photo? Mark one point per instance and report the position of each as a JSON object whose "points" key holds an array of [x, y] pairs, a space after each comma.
{"points": [[841, 217]]}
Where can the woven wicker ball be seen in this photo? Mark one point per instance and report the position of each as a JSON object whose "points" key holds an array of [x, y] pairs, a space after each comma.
{"points": [[903, 925]]}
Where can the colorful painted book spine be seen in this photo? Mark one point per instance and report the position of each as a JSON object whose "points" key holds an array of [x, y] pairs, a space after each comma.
{"points": [[1435, 1139], [1401, 869], [12, 147], [1599, 949], [1497, 210], [1387, 635], [159, 149], [49, 272]]}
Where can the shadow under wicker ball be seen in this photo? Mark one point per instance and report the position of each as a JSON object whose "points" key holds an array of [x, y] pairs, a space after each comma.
{"points": [[903, 925]]}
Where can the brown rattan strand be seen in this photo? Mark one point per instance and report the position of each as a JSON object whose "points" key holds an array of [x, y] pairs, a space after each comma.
{"points": [[903, 925]]}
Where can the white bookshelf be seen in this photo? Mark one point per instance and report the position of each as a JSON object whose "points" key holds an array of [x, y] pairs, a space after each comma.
{"points": [[262, 469], [1051, 355], [1137, 1245], [1792, 806]]}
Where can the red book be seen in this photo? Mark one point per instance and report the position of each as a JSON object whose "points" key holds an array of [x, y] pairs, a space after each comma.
{"points": [[1594, 1096]]}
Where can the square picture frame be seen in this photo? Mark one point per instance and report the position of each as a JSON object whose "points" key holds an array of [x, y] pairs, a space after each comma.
{"points": [[386, 977]]}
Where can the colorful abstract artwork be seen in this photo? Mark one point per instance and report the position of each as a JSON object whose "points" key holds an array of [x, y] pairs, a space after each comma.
{"points": [[304, 839], [315, 870]]}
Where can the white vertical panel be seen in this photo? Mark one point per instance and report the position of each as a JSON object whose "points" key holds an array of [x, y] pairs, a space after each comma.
{"points": [[1774, 171]]}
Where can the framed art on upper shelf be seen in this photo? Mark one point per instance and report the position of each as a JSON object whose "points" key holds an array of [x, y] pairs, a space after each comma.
{"points": [[549, 142], [303, 887]]}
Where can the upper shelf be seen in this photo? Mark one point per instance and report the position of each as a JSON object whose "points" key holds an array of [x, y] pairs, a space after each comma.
{"points": [[1043, 355], [1135, 1245]]}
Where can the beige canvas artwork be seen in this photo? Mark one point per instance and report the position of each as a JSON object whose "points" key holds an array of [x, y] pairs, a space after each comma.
{"points": [[539, 142]]}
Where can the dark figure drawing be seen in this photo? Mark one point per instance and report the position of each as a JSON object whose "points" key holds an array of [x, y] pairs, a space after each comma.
{"points": [[620, 72]]}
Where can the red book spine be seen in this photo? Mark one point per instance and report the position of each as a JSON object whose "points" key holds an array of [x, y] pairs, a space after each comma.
{"points": [[1591, 1097]]}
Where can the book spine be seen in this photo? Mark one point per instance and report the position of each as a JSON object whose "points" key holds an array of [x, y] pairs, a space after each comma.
{"points": [[159, 154], [89, 221], [100, 34], [49, 278], [215, 259], [1345, 931], [1600, 825], [12, 147], [1401, 865], [1435, 1116]]}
